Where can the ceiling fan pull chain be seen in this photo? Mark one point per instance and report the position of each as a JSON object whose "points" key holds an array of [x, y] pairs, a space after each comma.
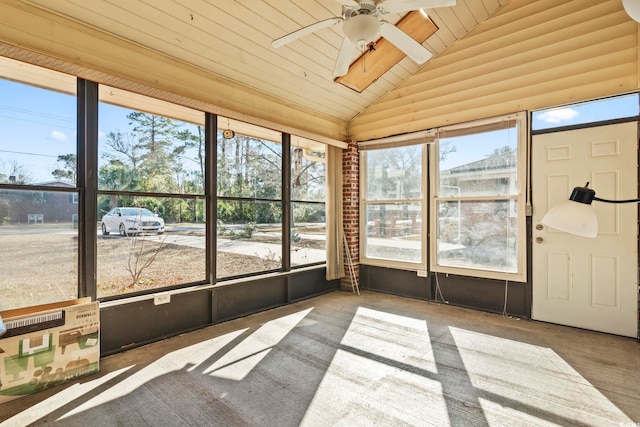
{"points": [[364, 62]]}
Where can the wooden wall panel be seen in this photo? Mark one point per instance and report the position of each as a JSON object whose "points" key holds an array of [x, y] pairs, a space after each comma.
{"points": [[107, 59], [530, 55]]}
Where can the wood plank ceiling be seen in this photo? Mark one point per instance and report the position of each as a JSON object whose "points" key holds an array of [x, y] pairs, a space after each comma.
{"points": [[232, 39], [530, 55]]}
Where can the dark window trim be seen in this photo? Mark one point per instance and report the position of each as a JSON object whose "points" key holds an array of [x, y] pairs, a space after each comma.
{"points": [[87, 176], [287, 211], [210, 191], [88, 191], [311, 264], [152, 194], [41, 188], [585, 125], [247, 199], [310, 202]]}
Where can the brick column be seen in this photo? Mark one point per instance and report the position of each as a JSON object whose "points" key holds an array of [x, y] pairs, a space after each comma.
{"points": [[350, 210]]}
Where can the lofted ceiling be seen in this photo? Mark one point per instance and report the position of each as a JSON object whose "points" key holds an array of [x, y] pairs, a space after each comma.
{"points": [[232, 40], [491, 57]]}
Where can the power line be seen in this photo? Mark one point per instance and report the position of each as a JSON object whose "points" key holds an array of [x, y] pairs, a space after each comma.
{"points": [[28, 154], [37, 113], [40, 123]]}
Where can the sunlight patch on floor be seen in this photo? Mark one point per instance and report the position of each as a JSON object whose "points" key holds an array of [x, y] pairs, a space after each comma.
{"points": [[513, 375], [238, 362], [60, 399], [370, 332], [384, 366], [186, 358]]}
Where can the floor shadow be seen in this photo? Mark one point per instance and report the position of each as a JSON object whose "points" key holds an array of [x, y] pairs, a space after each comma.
{"points": [[339, 358]]}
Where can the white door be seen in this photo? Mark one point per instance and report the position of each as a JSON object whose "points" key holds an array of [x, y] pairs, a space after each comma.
{"points": [[579, 281]]}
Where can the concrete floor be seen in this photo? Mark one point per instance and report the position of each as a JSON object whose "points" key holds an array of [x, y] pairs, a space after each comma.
{"points": [[341, 359]]}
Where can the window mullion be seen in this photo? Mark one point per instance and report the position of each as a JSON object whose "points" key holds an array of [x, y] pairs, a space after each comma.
{"points": [[211, 194], [286, 201], [87, 182]]}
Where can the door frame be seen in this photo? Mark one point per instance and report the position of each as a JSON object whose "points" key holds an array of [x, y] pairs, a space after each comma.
{"points": [[531, 225]]}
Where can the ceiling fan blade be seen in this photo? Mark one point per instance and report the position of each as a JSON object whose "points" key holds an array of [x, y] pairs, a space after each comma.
{"points": [[305, 30], [344, 58], [397, 6], [414, 50]]}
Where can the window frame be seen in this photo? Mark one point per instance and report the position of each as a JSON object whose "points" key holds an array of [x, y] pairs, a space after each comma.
{"points": [[256, 133], [520, 197], [420, 266], [130, 102], [295, 144], [86, 191], [46, 81]]}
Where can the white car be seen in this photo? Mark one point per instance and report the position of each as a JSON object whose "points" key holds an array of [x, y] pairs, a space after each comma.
{"points": [[128, 221]]}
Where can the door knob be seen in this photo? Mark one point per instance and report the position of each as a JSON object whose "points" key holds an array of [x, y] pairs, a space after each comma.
{"points": [[539, 239]]}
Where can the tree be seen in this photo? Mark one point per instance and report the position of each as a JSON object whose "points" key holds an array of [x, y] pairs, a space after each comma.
{"points": [[446, 147], [249, 168], [395, 172], [12, 172], [140, 255], [193, 141], [502, 150], [68, 170], [124, 148], [307, 175], [154, 137]]}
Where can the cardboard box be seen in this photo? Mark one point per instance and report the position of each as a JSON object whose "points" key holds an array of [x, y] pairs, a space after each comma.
{"points": [[47, 345]]}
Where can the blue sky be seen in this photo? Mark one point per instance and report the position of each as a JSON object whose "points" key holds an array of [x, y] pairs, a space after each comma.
{"points": [[479, 146], [38, 125], [476, 147]]}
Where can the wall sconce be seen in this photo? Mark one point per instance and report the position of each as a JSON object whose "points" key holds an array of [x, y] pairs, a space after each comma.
{"points": [[576, 215]]}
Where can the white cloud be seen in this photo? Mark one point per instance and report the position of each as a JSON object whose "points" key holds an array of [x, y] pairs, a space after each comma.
{"points": [[57, 135], [558, 115]]}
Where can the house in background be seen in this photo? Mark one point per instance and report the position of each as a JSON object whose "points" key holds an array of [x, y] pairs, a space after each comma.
{"points": [[40, 208], [496, 64]]}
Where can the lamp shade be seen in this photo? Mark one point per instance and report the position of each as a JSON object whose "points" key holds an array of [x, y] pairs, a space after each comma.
{"points": [[632, 7], [361, 29], [573, 217]]}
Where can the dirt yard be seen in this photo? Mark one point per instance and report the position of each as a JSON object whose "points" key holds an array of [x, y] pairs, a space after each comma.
{"points": [[42, 267]]}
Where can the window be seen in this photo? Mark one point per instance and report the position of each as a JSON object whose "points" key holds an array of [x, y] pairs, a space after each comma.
{"points": [[392, 229], [308, 193], [249, 190], [38, 248], [150, 230], [38, 238], [151, 204], [39, 125], [586, 112], [478, 198]]}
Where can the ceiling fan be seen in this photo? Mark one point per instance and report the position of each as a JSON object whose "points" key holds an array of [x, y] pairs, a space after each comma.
{"points": [[362, 23]]}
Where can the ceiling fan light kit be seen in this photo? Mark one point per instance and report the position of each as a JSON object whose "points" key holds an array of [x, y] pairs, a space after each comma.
{"points": [[363, 23], [373, 63], [632, 7], [361, 30]]}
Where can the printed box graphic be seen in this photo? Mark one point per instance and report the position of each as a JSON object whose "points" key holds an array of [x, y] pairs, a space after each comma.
{"points": [[48, 345]]}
